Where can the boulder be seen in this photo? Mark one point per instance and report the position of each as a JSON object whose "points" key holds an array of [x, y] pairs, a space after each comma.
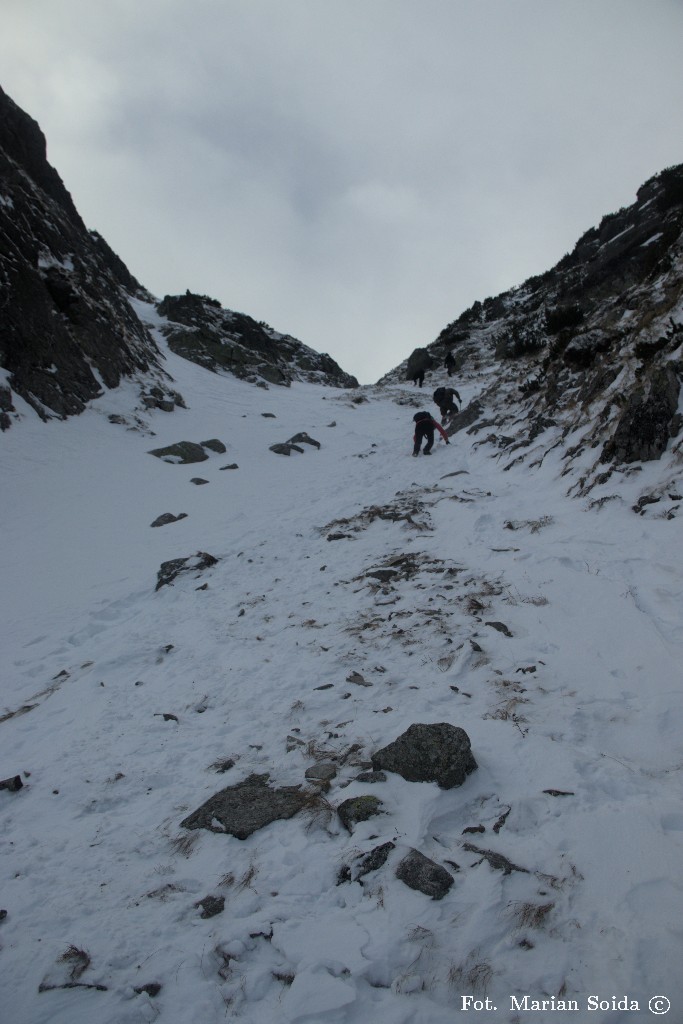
{"points": [[371, 777], [245, 808], [358, 808], [285, 449], [420, 873], [211, 906], [169, 571], [168, 517], [373, 860], [438, 753], [322, 773], [419, 361], [181, 453], [13, 784], [215, 445], [303, 438]]}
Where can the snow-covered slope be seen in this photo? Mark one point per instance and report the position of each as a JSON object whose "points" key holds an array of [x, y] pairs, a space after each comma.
{"points": [[548, 627]]}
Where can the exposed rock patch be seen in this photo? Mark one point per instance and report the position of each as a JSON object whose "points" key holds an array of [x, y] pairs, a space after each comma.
{"points": [[214, 445], [186, 452], [245, 808], [181, 453], [169, 571], [321, 774], [199, 329], [285, 448], [294, 444], [372, 861], [167, 518]]}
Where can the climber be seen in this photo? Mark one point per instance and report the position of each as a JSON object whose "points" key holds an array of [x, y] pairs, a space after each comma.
{"points": [[424, 427], [444, 398]]}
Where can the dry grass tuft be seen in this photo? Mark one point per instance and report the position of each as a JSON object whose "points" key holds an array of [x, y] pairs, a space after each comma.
{"points": [[184, 845], [473, 977], [530, 915]]}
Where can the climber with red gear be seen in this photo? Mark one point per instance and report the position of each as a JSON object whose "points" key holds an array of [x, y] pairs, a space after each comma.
{"points": [[424, 427]]}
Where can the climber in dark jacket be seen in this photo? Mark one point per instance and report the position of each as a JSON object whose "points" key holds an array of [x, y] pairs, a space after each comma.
{"points": [[424, 427], [445, 399]]}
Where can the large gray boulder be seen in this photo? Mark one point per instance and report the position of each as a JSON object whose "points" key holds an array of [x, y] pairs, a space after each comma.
{"points": [[429, 753]]}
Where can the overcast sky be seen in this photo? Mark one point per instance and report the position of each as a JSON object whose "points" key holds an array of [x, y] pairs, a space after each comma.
{"points": [[354, 172]]}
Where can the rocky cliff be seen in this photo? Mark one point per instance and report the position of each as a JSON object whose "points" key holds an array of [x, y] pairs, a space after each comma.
{"points": [[585, 359], [68, 329]]}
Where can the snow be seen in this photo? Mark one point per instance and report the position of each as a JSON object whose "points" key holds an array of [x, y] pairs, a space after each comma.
{"points": [[583, 697]]}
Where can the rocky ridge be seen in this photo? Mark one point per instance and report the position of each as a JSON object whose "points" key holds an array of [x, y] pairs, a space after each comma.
{"points": [[585, 358], [198, 328], [69, 329]]}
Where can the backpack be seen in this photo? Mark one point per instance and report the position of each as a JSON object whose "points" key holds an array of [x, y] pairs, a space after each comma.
{"points": [[419, 416]]}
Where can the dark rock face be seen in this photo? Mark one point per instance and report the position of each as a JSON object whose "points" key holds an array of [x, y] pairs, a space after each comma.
{"points": [[429, 753], [201, 330], [65, 307], [465, 418], [644, 429], [244, 809], [420, 873], [6, 407]]}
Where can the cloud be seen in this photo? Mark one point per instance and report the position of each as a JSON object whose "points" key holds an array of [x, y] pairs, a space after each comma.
{"points": [[354, 173]]}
